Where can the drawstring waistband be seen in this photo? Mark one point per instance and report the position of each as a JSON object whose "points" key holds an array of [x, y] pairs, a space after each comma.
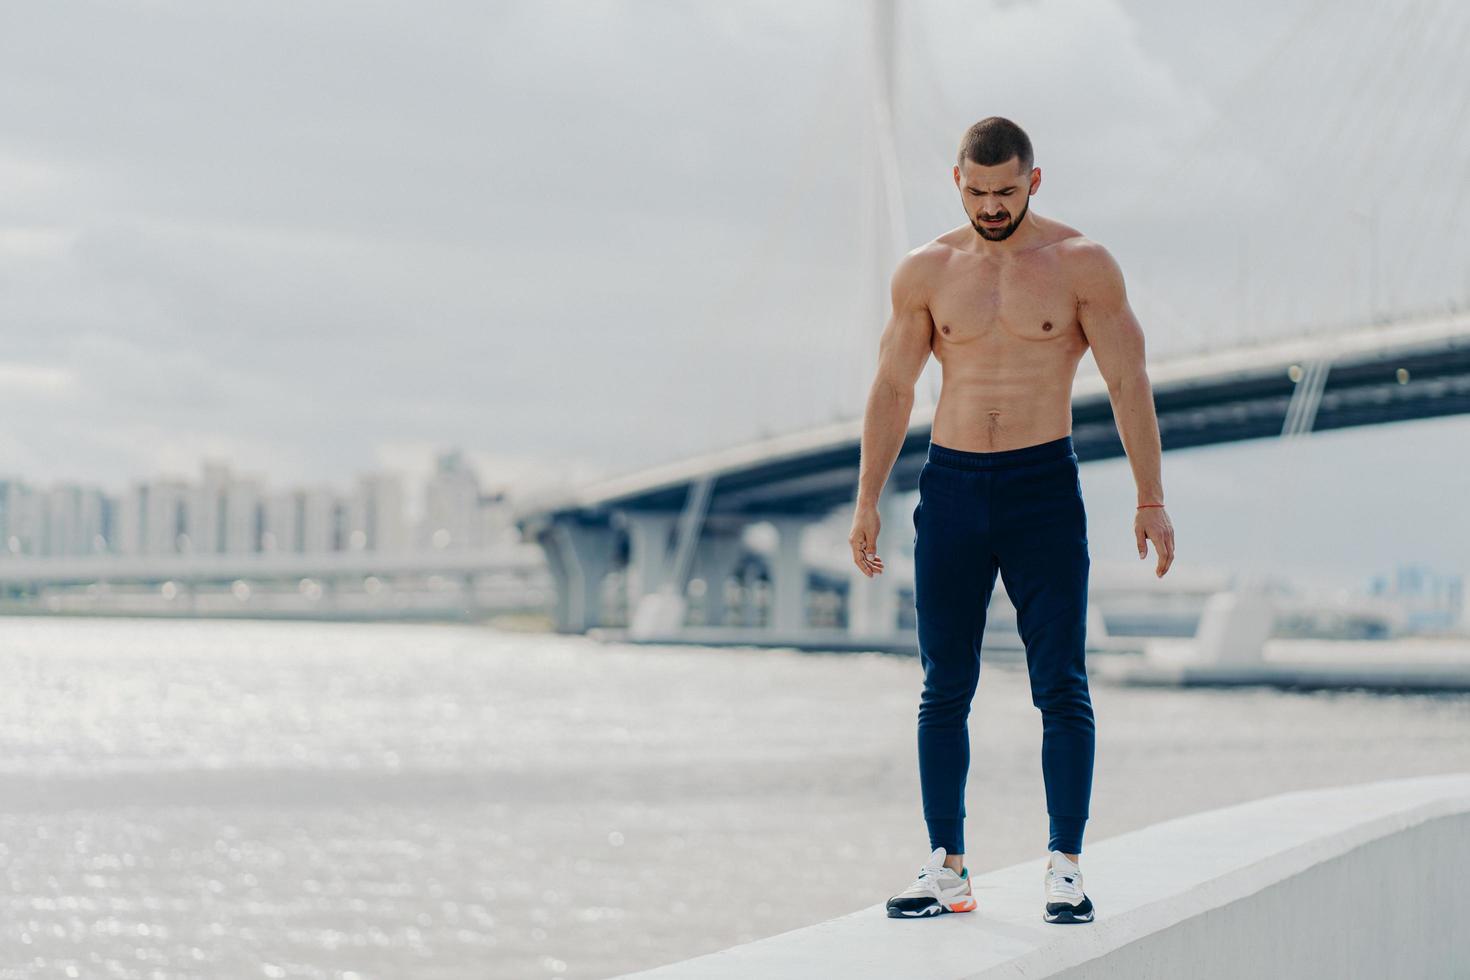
{"points": [[965, 460]]}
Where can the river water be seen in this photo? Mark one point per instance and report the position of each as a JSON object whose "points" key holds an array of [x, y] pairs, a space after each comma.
{"points": [[221, 799]]}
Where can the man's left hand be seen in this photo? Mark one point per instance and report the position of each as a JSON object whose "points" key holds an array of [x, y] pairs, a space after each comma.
{"points": [[1152, 524]]}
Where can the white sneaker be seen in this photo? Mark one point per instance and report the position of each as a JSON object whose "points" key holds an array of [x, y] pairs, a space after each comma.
{"points": [[1065, 900], [937, 889]]}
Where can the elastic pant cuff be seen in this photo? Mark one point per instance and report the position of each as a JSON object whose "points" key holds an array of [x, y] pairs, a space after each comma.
{"points": [[948, 834], [1066, 834]]}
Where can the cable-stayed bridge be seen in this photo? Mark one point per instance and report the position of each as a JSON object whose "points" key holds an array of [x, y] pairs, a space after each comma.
{"points": [[669, 524], [1325, 180]]}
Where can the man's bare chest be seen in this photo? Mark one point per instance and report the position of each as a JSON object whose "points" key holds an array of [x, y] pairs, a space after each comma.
{"points": [[1031, 302]]}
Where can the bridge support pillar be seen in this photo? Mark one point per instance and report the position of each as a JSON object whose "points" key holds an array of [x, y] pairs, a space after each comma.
{"points": [[788, 576], [745, 613], [579, 556], [469, 591], [650, 557], [715, 560], [872, 603]]}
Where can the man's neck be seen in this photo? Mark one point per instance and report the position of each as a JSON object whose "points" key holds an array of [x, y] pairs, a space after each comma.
{"points": [[1025, 238]]}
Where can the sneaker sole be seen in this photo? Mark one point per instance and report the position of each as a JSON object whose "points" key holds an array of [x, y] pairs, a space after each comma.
{"points": [[1066, 918], [929, 911]]}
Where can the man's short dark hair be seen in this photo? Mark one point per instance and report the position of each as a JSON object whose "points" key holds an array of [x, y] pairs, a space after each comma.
{"points": [[994, 140]]}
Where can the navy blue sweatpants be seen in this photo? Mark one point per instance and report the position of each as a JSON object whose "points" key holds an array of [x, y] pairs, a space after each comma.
{"points": [[1018, 511]]}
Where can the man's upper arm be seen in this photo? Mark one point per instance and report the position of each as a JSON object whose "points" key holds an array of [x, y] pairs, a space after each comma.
{"points": [[1107, 320], [909, 336]]}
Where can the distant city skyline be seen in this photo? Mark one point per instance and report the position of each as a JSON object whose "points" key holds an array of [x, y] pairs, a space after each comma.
{"points": [[231, 512]]}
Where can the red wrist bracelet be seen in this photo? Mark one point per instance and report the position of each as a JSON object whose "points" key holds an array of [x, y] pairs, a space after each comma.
{"points": [[1141, 506]]}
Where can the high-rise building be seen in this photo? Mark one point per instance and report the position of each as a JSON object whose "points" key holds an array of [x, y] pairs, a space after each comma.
{"points": [[242, 517], [20, 523], [320, 520], [1432, 600], [168, 518], [59, 511], [282, 527], [451, 506], [72, 521], [107, 542], [29, 534], [130, 535], [206, 510], [376, 518]]}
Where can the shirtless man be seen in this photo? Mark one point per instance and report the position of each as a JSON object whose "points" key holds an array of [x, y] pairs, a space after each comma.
{"points": [[1008, 303]]}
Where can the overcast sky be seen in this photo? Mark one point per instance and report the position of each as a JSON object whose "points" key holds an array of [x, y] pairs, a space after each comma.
{"points": [[579, 238]]}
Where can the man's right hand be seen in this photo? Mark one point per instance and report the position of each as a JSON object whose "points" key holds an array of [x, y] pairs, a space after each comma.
{"points": [[864, 541]]}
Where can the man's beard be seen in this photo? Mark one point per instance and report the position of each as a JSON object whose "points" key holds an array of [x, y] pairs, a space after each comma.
{"points": [[1001, 234]]}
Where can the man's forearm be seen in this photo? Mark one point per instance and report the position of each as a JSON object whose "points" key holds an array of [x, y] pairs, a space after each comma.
{"points": [[1138, 427], [885, 423]]}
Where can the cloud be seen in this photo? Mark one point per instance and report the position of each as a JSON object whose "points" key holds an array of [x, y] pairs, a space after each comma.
{"points": [[36, 380]]}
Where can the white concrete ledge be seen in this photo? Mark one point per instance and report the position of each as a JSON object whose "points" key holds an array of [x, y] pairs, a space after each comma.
{"points": [[1355, 881]]}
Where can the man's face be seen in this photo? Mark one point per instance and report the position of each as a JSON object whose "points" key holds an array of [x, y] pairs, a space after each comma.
{"points": [[996, 198]]}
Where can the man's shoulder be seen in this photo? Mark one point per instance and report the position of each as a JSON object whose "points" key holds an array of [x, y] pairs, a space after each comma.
{"points": [[918, 266], [1094, 274], [930, 253], [1084, 254]]}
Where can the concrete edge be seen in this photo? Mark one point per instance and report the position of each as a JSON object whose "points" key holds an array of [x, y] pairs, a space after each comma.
{"points": [[1143, 882], [1108, 934]]}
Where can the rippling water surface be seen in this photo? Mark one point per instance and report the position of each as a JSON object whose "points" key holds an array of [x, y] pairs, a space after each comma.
{"points": [[222, 799]]}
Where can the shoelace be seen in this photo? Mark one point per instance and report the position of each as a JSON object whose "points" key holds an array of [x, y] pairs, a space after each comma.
{"points": [[927, 883], [1063, 886]]}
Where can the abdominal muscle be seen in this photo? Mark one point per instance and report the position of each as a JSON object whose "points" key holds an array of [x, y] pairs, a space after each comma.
{"points": [[976, 415]]}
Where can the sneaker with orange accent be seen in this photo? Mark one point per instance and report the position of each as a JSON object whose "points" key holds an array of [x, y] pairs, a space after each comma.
{"points": [[937, 889]]}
